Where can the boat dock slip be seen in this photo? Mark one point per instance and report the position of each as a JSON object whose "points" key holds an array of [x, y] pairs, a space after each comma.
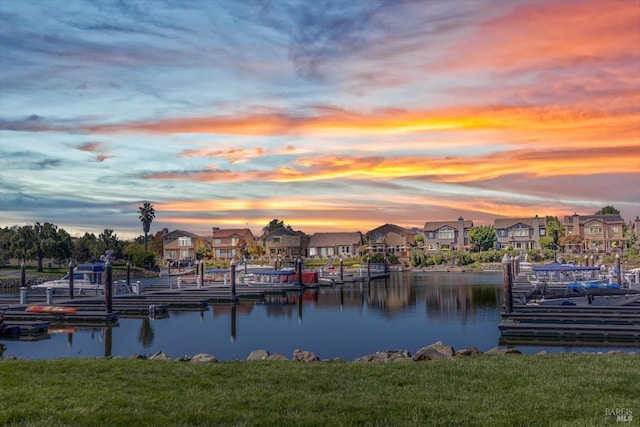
{"points": [[593, 312], [79, 318]]}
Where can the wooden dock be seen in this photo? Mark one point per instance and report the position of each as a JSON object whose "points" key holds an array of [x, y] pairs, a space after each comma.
{"points": [[591, 316]]}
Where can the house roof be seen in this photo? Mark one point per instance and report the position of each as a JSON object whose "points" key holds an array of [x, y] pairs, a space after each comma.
{"points": [[436, 225], [181, 233], [585, 218], [319, 240], [222, 233], [391, 228], [501, 223], [282, 231]]}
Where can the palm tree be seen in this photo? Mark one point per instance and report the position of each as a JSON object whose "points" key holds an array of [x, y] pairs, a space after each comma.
{"points": [[147, 214]]}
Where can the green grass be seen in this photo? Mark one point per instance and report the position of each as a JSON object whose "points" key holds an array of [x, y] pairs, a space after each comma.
{"points": [[491, 390]]}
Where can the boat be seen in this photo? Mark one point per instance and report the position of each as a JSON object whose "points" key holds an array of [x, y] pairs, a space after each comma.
{"points": [[245, 267], [561, 276], [87, 280], [268, 278]]}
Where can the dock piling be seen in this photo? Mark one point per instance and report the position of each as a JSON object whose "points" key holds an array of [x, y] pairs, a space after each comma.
{"points": [[507, 278], [233, 278], [49, 296], [619, 271], [108, 286], [341, 270], [70, 279], [23, 274], [24, 296]]}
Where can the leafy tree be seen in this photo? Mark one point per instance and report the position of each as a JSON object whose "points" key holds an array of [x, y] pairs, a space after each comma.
{"points": [[23, 243], [108, 240], [5, 245], [483, 236], [62, 247], [85, 248], [274, 225], [157, 243], [135, 253], [555, 233], [608, 210], [419, 240], [147, 214]]}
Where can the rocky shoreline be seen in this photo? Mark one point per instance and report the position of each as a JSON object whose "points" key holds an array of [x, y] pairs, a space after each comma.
{"points": [[435, 351]]}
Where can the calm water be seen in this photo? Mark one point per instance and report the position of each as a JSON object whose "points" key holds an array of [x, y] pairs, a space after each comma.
{"points": [[406, 311]]}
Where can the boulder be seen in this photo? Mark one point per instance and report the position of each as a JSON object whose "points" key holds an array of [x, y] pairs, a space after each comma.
{"points": [[185, 358], [203, 358], [469, 351], [304, 356], [434, 351], [386, 356], [497, 350], [258, 355], [160, 356]]}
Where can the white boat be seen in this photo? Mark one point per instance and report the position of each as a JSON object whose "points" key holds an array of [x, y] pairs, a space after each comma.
{"points": [[245, 267], [563, 276], [87, 280]]}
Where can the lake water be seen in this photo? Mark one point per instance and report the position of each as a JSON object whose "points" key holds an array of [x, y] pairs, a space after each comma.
{"points": [[404, 312]]}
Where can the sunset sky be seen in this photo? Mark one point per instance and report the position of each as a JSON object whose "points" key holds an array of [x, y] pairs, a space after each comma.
{"points": [[328, 115]]}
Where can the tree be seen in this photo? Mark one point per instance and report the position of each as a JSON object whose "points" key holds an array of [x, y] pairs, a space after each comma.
{"points": [[23, 243], [85, 248], [608, 210], [274, 225], [108, 240], [5, 245], [483, 236], [555, 233], [147, 214]]}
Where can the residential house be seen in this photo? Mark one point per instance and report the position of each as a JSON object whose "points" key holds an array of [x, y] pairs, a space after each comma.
{"points": [[390, 239], [334, 244], [285, 242], [181, 245], [447, 235], [597, 233], [230, 243], [520, 233]]}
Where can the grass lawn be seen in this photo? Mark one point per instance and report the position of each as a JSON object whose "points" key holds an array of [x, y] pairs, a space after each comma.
{"points": [[491, 390]]}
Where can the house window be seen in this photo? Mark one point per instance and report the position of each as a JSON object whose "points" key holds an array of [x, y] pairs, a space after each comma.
{"points": [[217, 242], [445, 234], [595, 230], [543, 232], [430, 235], [502, 233], [275, 239], [171, 255], [184, 241], [445, 247], [344, 249], [313, 251], [521, 232], [432, 247], [184, 254], [234, 241], [615, 229]]}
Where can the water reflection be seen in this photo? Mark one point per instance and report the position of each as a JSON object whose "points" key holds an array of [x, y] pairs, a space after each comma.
{"points": [[145, 334]]}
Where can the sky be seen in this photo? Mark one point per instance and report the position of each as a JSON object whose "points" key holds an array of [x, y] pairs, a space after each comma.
{"points": [[328, 115]]}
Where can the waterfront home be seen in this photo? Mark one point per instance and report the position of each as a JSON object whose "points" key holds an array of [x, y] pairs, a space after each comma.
{"points": [[519, 233], [230, 243], [447, 235], [325, 245], [390, 239], [181, 245], [593, 233], [285, 242]]}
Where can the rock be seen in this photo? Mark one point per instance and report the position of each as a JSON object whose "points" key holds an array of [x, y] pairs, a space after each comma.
{"points": [[469, 351], [304, 356], [615, 352], [258, 355], [277, 356], [434, 351], [137, 356], [386, 356], [496, 350], [185, 358], [203, 358], [160, 356]]}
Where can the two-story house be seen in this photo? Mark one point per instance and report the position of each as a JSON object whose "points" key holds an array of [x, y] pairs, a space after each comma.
{"points": [[285, 242], [231, 243], [181, 245], [325, 245], [597, 233], [519, 233], [447, 235], [390, 239]]}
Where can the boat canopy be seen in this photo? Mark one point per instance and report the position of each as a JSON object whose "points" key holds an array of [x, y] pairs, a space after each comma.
{"points": [[554, 266], [273, 272]]}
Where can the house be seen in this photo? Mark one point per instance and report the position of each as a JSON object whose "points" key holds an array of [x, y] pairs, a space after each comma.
{"points": [[390, 239], [230, 243], [520, 233], [334, 244], [447, 235], [595, 233], [181, 245], [285, 242]]}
